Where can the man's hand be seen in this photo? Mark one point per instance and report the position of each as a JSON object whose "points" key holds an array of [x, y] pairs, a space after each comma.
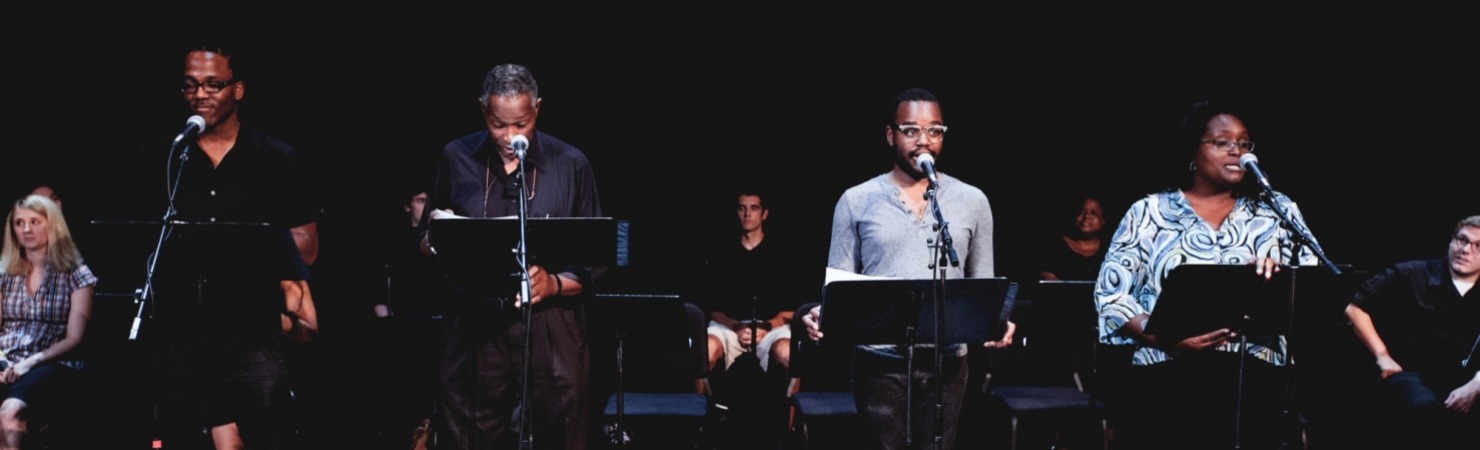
{"points": [[748, 339], [1006, 340], [1463, 398], [542, 284], [1388, 366], [811, 320]]}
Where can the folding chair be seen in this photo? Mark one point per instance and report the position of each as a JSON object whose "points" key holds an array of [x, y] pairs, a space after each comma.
{"points": [[1043, 376]]}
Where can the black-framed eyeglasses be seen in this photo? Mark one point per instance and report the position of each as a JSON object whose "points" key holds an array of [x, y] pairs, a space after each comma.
{"points": [[1229, 144], [211, 86], [934, 132], [1460, 242]]}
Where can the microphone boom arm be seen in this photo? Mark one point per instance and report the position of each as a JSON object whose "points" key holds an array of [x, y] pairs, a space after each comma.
{"points": [[1250, 163]]}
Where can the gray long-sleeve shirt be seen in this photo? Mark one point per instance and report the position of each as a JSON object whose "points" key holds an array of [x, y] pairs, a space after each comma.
{"points": [[874, 233]]}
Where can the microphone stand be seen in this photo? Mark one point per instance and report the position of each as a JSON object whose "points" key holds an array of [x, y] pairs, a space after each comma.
{"points": [[166, 227], [526, 434], [946, 250], [172, 186], [1301, 234], [1301, 237]]}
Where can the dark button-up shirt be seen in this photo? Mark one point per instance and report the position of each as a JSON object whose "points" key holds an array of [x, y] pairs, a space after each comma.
{"points": [[1427, 326], [470, 181]]}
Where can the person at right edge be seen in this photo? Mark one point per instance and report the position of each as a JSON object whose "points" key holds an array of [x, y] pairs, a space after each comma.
{"points": [[1183, 395], [1421, 321]]}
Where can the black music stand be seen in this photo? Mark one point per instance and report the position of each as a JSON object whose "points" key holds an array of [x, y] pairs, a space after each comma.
{"points": [[200, 275], [880, 311], [1197, 299], [1062, 308], [898, 312], [483, 255], [476, 244], [1060, 315]]}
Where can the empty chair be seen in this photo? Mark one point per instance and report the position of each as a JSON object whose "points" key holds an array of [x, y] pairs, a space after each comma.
{"points": [[825, 414], [653, 365], [1042, 385]]}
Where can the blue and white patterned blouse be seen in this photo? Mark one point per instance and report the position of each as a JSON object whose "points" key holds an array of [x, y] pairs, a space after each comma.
{"points": [[1161, 232]]}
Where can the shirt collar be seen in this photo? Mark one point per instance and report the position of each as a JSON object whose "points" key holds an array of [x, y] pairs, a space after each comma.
{"points": [[535, 157]]}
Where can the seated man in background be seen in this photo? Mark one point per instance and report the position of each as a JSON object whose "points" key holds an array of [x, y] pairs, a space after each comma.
{"points": [[1421, 321]]}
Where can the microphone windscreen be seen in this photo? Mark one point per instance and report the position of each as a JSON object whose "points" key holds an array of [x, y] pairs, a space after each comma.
{"points": [[923, 159], [198, 121], [519, 142], [1247, 159]]}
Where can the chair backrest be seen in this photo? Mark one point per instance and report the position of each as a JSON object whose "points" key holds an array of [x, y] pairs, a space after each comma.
{"points": [[1056, 338], [818, 368], [663, 346]]}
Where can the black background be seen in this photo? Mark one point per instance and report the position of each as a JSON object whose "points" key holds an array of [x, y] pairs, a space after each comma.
{"points": [[1366, 115], [1363, 113]]}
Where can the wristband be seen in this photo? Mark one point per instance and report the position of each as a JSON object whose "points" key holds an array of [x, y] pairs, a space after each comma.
{"points": [[559, 285]]}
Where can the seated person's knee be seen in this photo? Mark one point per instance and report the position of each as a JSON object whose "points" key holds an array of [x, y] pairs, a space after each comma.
{"points": [[11, 419]]}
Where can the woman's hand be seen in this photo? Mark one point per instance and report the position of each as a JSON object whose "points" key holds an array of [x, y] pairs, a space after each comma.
{"points": [[1205, 341], [1266, 267]]}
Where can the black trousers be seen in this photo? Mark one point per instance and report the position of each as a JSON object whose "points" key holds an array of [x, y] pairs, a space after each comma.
{"points": [[1419, 417], [879, 388], [481, 378], [1196, 400]]}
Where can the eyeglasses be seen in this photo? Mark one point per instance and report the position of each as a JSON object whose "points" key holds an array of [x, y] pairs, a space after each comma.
{"points": [[913, 131], [1226, 145], [211, 86], [1460, 242]]}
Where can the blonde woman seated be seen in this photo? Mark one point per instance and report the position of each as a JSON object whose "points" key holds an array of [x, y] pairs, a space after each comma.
{"points": [[46, 305]]}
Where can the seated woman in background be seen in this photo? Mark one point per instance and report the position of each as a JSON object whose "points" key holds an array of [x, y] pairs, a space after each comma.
{"points": [[46, 305], [1076, 253]]}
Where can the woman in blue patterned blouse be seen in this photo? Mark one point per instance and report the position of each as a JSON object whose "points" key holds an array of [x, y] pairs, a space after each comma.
{"points": [[1183, 394], [46, 304]]}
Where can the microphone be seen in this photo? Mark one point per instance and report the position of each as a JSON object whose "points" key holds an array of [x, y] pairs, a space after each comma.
{"points": [[1250, 163], [926, 163], [521, 145], [193, 126]]}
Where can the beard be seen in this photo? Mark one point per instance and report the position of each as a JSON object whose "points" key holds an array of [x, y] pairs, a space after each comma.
{"points": [[908, 167]]}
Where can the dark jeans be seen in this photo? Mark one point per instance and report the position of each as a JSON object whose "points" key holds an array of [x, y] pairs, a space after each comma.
{"points": [[43, 385], [879, 384], [1419, 416]]}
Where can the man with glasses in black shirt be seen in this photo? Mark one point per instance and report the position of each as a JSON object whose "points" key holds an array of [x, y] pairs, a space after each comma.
{"points": [[223, 276]]}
